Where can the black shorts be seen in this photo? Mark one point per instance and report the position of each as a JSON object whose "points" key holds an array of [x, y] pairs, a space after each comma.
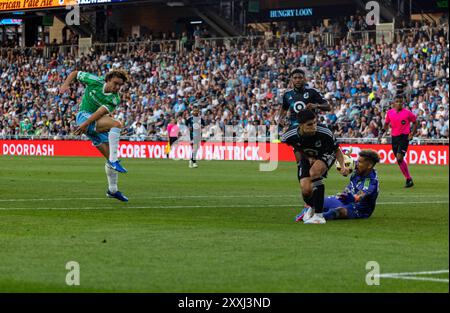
{"points": [[305, 166], [400, 144], [172, 140]]}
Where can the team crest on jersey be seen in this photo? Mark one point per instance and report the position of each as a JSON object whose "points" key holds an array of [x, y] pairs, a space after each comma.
{"points": [[115, 101], [298, 106], [306, 95], [318, 144]]}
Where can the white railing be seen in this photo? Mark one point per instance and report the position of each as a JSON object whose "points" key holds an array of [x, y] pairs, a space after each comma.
{"points": [[178, 45], [119, 47]]}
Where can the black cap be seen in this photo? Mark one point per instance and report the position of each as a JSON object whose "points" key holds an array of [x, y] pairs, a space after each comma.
{"points": [[304, 116]]}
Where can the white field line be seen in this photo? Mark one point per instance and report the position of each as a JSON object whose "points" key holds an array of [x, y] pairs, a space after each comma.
{"points": [[205, 196], [416, 273], [415, 202], [154, 207], [437, 280], [412, 276], [195, 206]]}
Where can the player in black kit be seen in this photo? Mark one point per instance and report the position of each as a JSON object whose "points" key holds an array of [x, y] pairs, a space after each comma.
{"points": [[319, 150], [299, 98], [195, 124]]}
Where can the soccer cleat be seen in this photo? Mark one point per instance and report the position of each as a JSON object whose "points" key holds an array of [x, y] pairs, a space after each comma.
{"points": [[315, 219], [409, 183], [117, 195], [195, 165], [191, 164], [304, 215], [117, 167]]}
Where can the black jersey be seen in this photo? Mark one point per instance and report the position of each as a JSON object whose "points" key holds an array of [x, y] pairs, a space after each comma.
{"points": [[321, 145], [195, 124], [295, 100]]}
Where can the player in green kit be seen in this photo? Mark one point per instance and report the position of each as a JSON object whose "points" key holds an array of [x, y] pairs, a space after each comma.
{"points": [[101, 97]]}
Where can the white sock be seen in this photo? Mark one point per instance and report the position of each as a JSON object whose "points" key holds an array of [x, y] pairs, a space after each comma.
{"points": [[113, 137], [113, 178]]}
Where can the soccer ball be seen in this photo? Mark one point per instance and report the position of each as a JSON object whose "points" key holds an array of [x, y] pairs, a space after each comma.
{"points": [[349, 163]]}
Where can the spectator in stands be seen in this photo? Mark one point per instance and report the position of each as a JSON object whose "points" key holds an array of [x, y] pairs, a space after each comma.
{"points": [[139, 132], [240, 83]]}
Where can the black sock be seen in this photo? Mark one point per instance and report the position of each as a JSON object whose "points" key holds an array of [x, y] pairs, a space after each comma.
{"points": [[308, 200], [318, 195]]}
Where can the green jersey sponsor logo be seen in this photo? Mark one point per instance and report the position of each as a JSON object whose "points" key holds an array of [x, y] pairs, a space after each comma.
{"points": [[366, 183]]}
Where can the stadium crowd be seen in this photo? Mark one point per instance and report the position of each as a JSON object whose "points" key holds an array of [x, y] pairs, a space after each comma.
{"points": [[239, 83]]}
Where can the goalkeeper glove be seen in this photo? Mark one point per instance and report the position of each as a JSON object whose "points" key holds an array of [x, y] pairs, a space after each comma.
{"points": [[346, 198]]}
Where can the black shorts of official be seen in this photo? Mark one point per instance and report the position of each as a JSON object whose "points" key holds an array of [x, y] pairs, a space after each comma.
{"points": [[305, 166], [172, 140], [400, 144]]}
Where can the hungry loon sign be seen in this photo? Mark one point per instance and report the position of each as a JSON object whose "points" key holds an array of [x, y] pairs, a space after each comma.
{"points": [[286, 13]]}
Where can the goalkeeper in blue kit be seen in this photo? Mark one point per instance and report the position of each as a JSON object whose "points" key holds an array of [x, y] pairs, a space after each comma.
{"points": [[359, 198]]}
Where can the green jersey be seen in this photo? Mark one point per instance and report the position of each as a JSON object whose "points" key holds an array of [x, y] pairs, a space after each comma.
{"points": [[25, 128], [94, 94]]}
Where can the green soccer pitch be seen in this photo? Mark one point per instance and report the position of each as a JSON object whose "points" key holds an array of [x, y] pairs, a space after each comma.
{"points": [[223, 227]]}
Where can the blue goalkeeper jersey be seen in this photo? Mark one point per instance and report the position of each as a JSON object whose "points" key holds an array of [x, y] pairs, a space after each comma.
{"points": [[369, 185]]}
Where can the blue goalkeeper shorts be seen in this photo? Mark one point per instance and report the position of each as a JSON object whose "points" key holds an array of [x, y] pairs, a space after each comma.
{"points": [[333, 203], [96, 138]]}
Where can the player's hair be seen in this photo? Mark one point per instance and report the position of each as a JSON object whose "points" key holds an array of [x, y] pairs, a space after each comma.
{"points": [[305, 115], [117, 73], [297, 71], [371, 155]]}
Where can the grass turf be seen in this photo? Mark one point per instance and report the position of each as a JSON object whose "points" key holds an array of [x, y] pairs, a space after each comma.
{"points": [[223, 227]]}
